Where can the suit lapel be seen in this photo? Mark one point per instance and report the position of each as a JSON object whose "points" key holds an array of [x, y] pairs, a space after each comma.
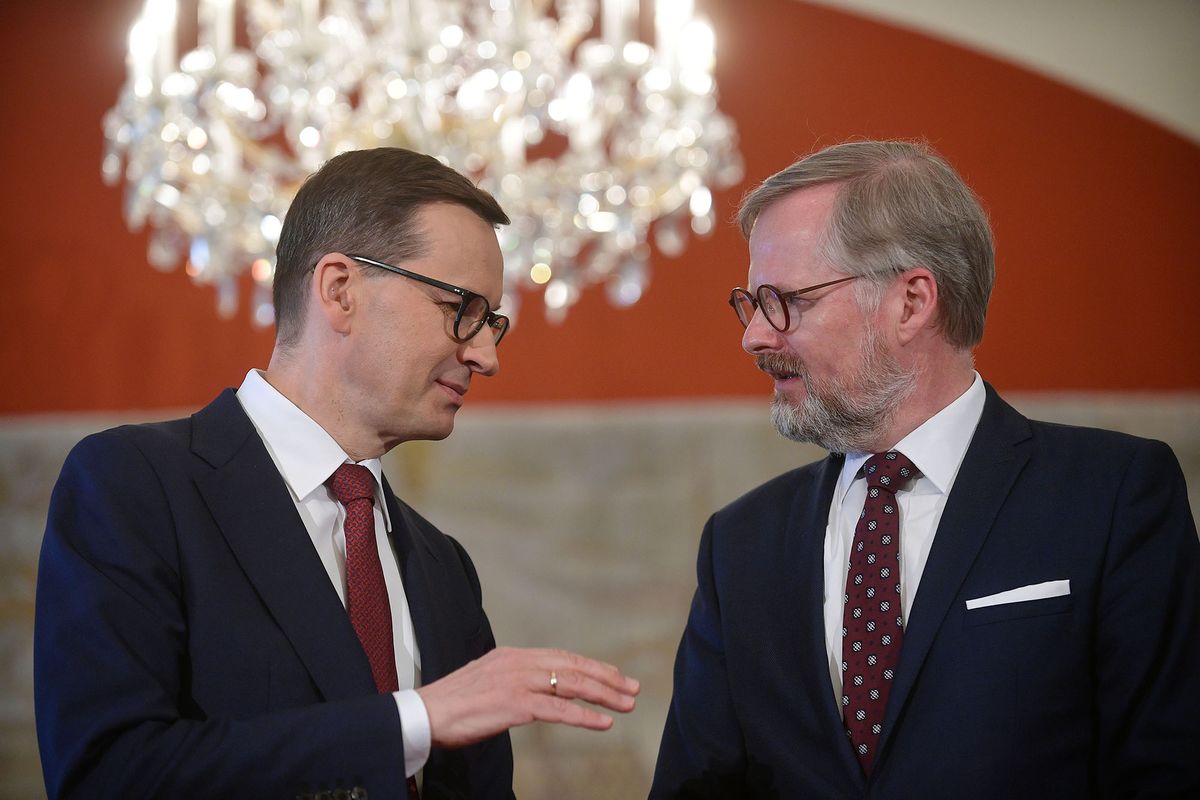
{"points": [[807, 523], [251, 505], [991, 465], [432, 610], [437, 623]]}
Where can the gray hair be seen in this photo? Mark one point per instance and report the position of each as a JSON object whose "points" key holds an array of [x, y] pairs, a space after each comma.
{"points": [[899, 205]]}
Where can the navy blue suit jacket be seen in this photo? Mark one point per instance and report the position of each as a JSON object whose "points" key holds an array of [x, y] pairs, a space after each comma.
{"points": [[1095, 694], [188, 642]]}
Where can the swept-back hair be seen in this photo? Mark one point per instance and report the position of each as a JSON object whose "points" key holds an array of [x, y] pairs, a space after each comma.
{"points": [[899, 205], [363, 201]]}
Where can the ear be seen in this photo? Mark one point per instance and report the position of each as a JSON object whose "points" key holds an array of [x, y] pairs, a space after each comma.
{"points": [[919, 304], [334, 290]]}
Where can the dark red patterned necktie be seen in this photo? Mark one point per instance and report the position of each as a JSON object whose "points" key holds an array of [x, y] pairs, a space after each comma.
{"points": [[366, 594], [872, 621]]}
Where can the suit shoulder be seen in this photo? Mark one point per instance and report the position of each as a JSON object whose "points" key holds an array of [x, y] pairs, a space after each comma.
{"points": [[123, 441], [1079, 442], [778, 490]]}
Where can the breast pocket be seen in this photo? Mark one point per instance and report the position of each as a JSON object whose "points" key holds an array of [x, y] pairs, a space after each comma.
{"points": [[1022, 609]]}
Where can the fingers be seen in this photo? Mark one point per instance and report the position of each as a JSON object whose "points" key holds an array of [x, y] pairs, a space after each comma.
{"points": [[586, 675], [615, 692], [562, 711], [510, 686]]}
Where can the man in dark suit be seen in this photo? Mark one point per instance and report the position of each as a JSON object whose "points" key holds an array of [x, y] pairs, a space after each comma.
{"points": [[958, 602], [236, 605]]}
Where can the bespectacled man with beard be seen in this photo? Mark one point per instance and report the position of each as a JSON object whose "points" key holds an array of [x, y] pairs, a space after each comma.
{"points": [[957, 602]]}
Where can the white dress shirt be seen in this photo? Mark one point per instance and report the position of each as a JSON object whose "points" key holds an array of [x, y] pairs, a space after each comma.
{"points": [[306, 456], [937, 448]]}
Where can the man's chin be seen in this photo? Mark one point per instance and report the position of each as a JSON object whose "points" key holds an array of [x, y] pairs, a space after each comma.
{"points": [[439, 433], [431, 430], [788, 419], [806, 425]]}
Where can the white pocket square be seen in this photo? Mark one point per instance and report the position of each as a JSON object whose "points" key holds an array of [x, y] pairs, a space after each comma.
{"points": [[1034, 591]]}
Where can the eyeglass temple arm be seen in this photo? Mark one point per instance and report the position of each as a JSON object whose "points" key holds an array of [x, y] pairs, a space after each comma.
{"points": [[807, 289], [449, 287]]}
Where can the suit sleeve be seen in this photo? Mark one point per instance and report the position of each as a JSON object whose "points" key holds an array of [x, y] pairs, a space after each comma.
{"points": [[702, 753], [111, 682], [1148, 637]]}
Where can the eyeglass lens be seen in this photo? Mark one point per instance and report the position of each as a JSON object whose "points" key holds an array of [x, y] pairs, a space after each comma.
{"points": [[772, 305], [767, 298], [473, 313], [743, 305]]}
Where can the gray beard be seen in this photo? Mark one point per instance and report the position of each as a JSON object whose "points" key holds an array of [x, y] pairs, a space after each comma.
{"points": [[847, 414]]}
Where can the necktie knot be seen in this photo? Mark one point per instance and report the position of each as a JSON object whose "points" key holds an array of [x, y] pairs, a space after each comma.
{"points": [[890, 471], [351, 482]]}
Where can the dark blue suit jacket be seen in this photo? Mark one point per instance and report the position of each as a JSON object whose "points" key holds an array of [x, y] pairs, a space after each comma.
{"points": [[189, 643], [1095, 694]]}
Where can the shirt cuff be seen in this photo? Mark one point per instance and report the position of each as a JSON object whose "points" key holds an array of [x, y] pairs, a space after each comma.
{"points": [[414, 730]]}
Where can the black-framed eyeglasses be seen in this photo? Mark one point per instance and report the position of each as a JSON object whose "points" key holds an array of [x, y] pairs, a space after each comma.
{"points": [[473, 308], [772, 301]]}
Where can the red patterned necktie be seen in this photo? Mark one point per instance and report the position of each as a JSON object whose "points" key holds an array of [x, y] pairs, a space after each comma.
{"points": [[366, 594], [872, 621]]}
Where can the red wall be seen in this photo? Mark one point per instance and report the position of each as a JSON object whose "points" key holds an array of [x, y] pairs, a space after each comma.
{"points": [[1096, 214]]}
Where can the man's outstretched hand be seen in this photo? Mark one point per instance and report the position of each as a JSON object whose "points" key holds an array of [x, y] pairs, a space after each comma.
{"points": [[511, 686]]}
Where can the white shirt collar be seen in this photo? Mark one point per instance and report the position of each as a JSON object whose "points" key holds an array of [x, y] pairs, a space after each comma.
{"points": [[304, 452], [936, 446]]}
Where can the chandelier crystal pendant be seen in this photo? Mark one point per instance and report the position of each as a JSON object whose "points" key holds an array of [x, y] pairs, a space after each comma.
{"points": [[591, 139]]}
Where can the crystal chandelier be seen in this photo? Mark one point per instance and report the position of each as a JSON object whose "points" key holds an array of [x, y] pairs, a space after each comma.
{"points": [[591, 139]]}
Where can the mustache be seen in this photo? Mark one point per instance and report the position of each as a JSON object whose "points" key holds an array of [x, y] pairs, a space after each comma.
{"points": [[779, 362]]}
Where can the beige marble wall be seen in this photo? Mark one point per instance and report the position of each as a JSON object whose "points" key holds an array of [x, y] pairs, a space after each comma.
{"points": [[583, 523]]}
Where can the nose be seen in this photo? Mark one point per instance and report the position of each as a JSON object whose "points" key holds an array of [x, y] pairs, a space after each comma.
{"points": [[479, 352], [761, 336]]}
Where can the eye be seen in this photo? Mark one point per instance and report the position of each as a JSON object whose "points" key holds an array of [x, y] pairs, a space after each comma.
{"points": [[798, 302], [448, 307]]}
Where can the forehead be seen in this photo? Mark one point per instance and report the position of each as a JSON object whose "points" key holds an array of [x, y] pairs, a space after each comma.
{"points": [[460, 248], [788, 236]]}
